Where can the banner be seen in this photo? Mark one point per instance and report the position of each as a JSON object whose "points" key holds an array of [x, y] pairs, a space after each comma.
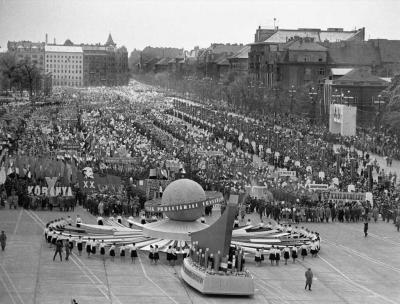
{"points": [[287, 173], [99, 183], [186, 206], [50, 190], [122, 160], [350, 196], [318, 187]]}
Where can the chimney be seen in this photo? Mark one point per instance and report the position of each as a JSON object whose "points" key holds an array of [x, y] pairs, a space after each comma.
{"points": [[47, 38]]}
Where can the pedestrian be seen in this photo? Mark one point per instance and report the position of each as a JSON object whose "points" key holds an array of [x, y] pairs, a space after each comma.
{"points": [[366, 229], [3, 240], [313, 249], [122, 252], [398, 222], [102, 247], [277, 256], [169, 254], [309, 277], [133, 253], [294, 254], [272, 255], [151, 253], [67, 250], [94, 245], [156, 255], [286, 254], [59, 246], [303, 251], [112, 252], [70, 243], [257, 257], [88, 247], [79, 245], [78, 221]]}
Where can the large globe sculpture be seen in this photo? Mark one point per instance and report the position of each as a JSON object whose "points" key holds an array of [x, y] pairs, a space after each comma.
{"points": [[180, 193]]}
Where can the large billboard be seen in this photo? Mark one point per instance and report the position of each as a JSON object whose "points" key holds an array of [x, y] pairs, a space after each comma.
{"points": [[342, 119]]}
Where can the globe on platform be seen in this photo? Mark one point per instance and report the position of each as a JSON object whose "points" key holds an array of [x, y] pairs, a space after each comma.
{"points": [[183, 192]]}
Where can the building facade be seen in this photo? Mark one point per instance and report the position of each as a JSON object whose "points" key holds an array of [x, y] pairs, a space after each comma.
{"points": [[281, 57], [65, 63], [105, 65], [27, 50]]}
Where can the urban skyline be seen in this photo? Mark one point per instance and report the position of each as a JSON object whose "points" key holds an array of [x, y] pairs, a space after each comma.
{"points": [[184, 24]]}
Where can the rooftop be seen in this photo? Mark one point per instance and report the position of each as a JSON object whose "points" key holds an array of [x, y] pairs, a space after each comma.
{"points": [[331, 35], [63, 49]]}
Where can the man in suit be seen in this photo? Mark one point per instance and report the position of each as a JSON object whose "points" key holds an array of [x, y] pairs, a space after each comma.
{"points": [[309, 277]]}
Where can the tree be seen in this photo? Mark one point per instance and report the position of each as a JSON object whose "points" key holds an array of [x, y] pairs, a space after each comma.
{"points": [[391, 116]]}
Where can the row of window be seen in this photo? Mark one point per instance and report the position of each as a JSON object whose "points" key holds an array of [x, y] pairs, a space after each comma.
{"points": [[67, 83], [65, 77], [62, 56], [61, 66], [63, 71], [66, 61]]}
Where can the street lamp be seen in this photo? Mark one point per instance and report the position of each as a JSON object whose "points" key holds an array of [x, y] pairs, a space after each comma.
{"points": [[312, 93], [292, 91]]}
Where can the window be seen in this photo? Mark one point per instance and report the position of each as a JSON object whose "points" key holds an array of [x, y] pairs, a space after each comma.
{"points": [[322, 71]]}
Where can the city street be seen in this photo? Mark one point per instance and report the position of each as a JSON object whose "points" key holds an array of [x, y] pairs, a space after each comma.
{"points": [[350, 269]]}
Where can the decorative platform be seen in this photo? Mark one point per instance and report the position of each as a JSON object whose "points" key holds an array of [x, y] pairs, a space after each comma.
{"points": [[172, 230], [217, 283]]}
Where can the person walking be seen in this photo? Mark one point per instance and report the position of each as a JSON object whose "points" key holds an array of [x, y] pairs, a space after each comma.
{"points": [[156, 256], [59, 246], [133, 253], [122, 252], [366, 229], [102, 247], [79, 245], [294, 254], [3, 240], [286, 254], [309, 277], [67, 250], [112, 252]]}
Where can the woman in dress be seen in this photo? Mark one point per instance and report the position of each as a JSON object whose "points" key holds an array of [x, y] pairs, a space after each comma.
{"points": [[119, 219], [112, 252], [236, 222], [94, 245], [151, 253], [257, 257], [70, 243], [79, 245], [102, 248], [272, 255], [169, 254], [313, 249], [122, 252], [143, 219], [156, 256], [294, 254], [286, 254], [99, 220], [277, 256], [88, 247], [303, 250], [133, 253]]}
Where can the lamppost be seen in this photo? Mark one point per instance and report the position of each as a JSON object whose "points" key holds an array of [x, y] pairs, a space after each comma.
{"points": [[276, 90], [292, 91], [313, 93]]}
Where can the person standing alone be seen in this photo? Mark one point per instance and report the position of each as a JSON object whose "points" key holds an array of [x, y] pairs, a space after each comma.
{"points": [[3, 240], [309, 277], [366, 229]]}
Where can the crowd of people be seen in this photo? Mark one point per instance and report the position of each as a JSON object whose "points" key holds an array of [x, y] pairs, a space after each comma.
{"points": [[134, 132]]}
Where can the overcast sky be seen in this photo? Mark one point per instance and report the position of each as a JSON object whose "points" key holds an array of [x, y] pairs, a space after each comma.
{"points": [[186, 23]]}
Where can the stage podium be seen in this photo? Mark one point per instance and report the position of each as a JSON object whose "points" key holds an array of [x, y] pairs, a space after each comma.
{"points": [[342, 119]]}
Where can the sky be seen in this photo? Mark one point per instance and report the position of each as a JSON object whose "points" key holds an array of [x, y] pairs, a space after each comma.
{"points": [[186, 23]]}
